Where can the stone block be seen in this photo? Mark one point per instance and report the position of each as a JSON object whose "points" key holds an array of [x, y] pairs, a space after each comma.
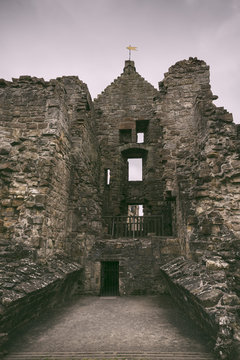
{"points": [[230, 300], [7, 212], [6, 167], [17, 202], [210, 297], [216, 264], [6, 202]]}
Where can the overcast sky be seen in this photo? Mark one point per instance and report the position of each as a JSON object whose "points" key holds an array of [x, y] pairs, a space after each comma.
{"points": [[88, 38]]}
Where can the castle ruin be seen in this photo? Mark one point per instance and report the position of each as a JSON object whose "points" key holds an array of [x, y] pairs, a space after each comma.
{"points": [[76, 217]]}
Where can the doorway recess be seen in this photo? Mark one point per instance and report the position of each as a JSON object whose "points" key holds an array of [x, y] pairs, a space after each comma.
{"points": [[109, 278]]}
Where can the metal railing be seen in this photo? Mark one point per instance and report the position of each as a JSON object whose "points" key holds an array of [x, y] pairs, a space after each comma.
{"points": [[135, 226]]}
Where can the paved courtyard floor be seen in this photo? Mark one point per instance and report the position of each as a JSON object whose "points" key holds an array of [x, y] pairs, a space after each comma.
{"points": [[111, 327]]}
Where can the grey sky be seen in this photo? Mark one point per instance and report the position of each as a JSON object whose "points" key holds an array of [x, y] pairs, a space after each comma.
{"points": [[88, 38]]}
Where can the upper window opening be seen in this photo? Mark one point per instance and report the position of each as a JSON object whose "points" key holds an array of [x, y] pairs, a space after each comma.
{"points": [[142, 131], [125, 136], [135, 210], [135, 169], [140, 137]]}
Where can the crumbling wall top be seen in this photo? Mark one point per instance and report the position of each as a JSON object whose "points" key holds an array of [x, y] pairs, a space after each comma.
{"points": [[190, 65]]}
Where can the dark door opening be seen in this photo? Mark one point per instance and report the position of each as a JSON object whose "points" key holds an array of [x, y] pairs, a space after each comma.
{"points": [[109, 278]]}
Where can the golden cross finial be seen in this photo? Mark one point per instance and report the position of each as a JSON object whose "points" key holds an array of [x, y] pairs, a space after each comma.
{"points": [[130, 48]]}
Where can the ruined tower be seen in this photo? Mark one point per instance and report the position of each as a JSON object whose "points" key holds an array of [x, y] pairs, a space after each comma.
{"points": [[130, 134]]}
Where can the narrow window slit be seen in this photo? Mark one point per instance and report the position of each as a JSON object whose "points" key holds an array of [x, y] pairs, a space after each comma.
{"points": [[107, 176]]}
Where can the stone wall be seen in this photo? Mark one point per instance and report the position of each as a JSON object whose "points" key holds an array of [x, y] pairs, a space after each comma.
{"points": [[123, 109], [48, 153], [201, 152], [35, 130], [139, 261], [206, 297], [49, 205], [28, 287], [175, 107], [84, 203], [213, 230]]}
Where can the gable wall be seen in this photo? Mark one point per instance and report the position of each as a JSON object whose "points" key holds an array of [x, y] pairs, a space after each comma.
{"points": [[126, 101]]}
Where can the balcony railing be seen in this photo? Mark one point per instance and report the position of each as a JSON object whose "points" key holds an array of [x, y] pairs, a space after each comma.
{"points": [[136, 226]]}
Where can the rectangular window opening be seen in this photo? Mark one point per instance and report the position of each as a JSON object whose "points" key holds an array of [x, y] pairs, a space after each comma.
{"points": [[142, 131], [135, 210], [125, 136], [135, 169], [140, 137]]}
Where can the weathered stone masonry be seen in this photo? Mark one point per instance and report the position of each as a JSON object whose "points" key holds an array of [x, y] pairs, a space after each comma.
{"points": [[66, 196], [45, 133], [49, 194], [125, 106], [202, 151]]}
